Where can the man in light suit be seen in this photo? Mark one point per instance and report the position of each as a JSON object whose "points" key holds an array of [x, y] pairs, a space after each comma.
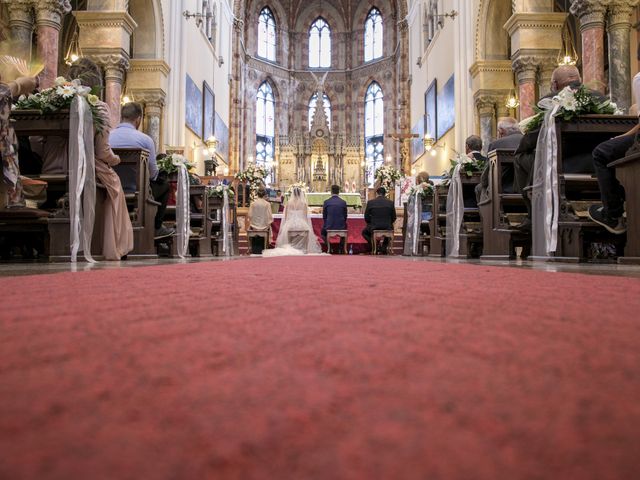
{"points": [[334, 215]]}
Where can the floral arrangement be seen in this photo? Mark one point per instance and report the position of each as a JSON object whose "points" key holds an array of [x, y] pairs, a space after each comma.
{"points": [[171, 163], [254, 175], [60, 96], [387, 176], [218, 190], [301, 185], [469, 166], [423, 189], [572, 103]]}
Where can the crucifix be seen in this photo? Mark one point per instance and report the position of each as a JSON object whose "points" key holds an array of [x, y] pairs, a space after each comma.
{"points": [[405, 148]]}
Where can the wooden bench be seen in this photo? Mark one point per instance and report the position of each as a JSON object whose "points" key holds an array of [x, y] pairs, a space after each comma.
{"points": [[578, 186], [342, 234], [628, 173], [424, 232], [379, 235], [471, 231], [502, 211], [215, 206], [133, 171]]}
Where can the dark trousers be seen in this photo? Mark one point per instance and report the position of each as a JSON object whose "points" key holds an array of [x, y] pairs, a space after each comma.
{"points": [[523, 176], [160, 190], [257, 245], [367, 234], [611, 192]]}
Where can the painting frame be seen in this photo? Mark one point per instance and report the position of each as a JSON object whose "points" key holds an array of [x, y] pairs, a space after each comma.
{"points": [[208, 111], [446, 108], [431, 110], [193, 107], [221, 131]]}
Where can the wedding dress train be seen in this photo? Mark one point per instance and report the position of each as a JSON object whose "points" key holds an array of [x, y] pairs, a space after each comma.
{"points": [[295, 219]]}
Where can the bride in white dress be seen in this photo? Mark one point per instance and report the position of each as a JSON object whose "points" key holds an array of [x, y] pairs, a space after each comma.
{"points": [[295, 219]]}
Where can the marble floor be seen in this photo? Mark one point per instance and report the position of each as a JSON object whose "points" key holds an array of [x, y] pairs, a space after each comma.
{"points": [[36, 267]]}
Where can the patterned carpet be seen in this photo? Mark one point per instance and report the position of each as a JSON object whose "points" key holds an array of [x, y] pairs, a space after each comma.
{"points": [[319, 368]]}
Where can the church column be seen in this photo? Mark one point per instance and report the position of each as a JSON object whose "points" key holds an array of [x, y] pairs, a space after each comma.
{"points": [[114, 66], [619, 30], [487, 112], [21, 25], [237, 99], [525, 68], [49, 15], [591, 14], [547, 66], [501, 107]]}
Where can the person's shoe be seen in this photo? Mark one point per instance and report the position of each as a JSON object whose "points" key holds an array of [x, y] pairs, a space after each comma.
{"points": [[163, 232], [614, 225]]}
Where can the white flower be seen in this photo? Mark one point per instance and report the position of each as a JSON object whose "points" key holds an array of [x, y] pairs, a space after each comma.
{"points": [[178, 160], [93, 99], [59, 81], [66, 91], [22, 98]]}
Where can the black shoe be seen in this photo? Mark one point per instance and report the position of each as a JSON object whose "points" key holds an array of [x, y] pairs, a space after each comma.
{"points": [[614, 225], [163, 232]]}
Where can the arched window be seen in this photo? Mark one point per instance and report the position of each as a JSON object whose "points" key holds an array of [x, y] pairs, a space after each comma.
{"points": [[267, 35], [373, 35], [373, 130], [320, 44], [327, 108], [265, 127]]}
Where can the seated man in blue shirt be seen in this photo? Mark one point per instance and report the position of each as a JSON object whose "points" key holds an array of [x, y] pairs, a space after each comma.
{"points": [[127, 135]]}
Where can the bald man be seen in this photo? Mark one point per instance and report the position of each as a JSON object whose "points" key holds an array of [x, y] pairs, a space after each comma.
{"points": [[562, 77]]}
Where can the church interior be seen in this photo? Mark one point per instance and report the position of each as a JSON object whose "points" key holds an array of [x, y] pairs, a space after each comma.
{"points": [[331, 239]]}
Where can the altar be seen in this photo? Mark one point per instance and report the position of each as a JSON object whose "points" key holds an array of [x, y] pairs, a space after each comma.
{"points": [[317, 199]]}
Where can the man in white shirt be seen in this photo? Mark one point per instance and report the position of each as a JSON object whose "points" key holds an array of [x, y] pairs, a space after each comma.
{"points": [[259, 218]]}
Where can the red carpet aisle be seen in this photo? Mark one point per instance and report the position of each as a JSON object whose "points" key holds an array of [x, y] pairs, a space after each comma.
{"points": [[320, 368]]}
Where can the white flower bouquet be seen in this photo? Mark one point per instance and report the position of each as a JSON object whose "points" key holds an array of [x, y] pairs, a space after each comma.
{"points": [[218, 190], [387, 176]]}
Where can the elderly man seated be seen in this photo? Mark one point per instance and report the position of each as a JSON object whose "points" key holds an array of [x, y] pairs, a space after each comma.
{"points": [[260, 219], [509, 137]]}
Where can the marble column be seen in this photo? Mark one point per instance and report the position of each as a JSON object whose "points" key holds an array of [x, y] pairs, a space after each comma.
{"points": [[49, 15], [501, 108], [21, 21], [591, 14], [526, 68], [487, 113], [114, 66], [153, 114], [619, 30], [547, 66]]}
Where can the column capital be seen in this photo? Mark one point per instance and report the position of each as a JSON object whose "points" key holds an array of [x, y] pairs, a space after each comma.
{"points": [[114, 64], [590, 12], [153, 99], [20, 13], [51, 12], [526, 67], [620, 13], [486, 104]]}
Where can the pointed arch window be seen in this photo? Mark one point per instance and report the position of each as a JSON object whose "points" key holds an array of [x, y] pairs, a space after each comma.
{"points": [[267, 35], [320, 44], [373, 130], [265, 127], [373, 35], [313, 102]]}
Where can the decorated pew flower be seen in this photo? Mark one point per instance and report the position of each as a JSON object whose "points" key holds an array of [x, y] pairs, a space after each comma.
{"points": [[570, 103], [171, 163], [60, 96], [218, 190], [469, 166], [423, 189], [254, 175], [387, 176]]}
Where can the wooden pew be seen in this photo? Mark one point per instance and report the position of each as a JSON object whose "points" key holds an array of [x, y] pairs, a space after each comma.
{"points": [[502, 211], [628, 173], [200, 224], [471, 231], [133, 171], [214, 215], [424, 238], [577, 184]]}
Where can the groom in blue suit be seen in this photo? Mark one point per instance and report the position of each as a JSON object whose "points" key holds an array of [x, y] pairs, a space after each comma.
{"points": [[334, 214]]}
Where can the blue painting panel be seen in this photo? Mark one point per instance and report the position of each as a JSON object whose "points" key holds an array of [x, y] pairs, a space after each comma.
{"points": [[446, 108], [193, 106]]}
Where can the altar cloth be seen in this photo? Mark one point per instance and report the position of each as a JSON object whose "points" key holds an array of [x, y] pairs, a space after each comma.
{"points": [[355, 225]]}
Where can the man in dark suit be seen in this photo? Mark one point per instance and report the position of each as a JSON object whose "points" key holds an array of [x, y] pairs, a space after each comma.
{"points": [[562, 77], [334, 215], [509, 138], [380, 214]]}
